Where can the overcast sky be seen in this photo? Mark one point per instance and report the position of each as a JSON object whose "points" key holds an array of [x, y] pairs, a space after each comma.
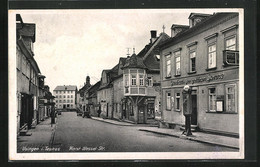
{"points": [[71, 44]]}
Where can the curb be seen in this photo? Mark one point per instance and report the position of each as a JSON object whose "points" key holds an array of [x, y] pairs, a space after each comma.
{"points": [[190, 138], [111, 122]]}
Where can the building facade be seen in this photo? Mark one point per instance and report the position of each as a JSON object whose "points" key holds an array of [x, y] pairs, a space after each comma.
{"points": [[204, 56], [29, 80], [65, 96], [91, 96], [81, 95]]}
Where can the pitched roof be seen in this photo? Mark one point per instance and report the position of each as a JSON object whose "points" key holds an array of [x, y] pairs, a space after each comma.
{"points": [[204, 22], [134, 62], [66, 87]]}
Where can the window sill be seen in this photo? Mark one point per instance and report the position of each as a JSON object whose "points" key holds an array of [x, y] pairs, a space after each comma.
{"points": [[220, 112], [168, 110], [177, 75], [168, 77], [177, 110], [209, 69], [192, 72]]}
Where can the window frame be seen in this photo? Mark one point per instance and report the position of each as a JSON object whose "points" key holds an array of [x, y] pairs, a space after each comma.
{"points": [[168, 101], [177, 73], [209, 99], [176, 101], [190, 59], [168, 66], [208, 53], [133, 79], [228, 38], [234, 85]]}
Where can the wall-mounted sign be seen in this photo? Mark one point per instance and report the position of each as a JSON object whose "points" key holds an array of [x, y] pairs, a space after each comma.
{"points": [[208, 78]]}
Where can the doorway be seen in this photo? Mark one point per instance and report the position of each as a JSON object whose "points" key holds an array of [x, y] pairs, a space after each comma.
{"points": [[141, 114], [194, 115]]}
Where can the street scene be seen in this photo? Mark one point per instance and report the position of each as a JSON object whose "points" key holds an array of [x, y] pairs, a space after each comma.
{"points": [[77, 134], [127, 81]]}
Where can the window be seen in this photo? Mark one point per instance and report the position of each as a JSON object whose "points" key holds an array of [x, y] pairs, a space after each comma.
{"points": [[56, 101], [177, 99], [168, 101], [127, 80], [68, 101], [230, 98], [141, 79], [71, 101], [150, 81], [133, 76], [212, 99], [60, 101], [177, 63], [230, 43], [71, 96], [212, 56], [192, 61], [68, 96], [60, 96], [64, 96], [168, 65], [64, 101]]}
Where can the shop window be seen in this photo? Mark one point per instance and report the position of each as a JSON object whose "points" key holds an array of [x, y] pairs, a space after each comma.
{"points": [[212, 56], [212, 99], [177, 101], [231, 98], [168, 101], [168, 65]]}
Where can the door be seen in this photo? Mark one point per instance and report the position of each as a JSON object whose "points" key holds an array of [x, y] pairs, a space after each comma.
{"points": [[107, 109], [194, 109], [141, 114]]}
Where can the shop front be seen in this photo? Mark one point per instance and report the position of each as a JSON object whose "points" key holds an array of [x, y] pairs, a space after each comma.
{"points": [[213, 101]]}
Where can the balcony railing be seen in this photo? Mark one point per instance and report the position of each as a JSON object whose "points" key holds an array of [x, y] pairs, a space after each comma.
{"points": [[135, 91], [230, 58]]}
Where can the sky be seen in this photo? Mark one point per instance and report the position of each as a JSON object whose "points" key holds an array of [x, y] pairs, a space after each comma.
{"points": [[71, 44]]}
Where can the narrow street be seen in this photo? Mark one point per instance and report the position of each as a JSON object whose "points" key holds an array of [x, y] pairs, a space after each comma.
{"points": [[76, 134]]}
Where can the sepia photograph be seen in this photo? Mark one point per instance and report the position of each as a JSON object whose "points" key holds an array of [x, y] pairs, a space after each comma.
{"points": [[109, 84]]}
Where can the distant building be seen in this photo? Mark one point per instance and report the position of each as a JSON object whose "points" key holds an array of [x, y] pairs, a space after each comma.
{"points": [[65, 96], [82, 101], [29, 80], [204, 56], [91, 96]]}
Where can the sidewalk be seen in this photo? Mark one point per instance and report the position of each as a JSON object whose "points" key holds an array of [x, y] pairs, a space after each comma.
{"points": [[213, 139], [41, 136], [218, 140]]}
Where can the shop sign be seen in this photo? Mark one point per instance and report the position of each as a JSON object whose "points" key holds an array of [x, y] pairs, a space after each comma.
{"points": [[208, 78]]}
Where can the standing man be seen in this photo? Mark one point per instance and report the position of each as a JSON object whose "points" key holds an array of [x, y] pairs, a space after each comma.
{"points": [[187, 111]]}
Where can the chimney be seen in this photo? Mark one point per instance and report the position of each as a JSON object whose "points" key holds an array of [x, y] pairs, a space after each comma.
{"points": [[153, 36], [88, 80]]}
